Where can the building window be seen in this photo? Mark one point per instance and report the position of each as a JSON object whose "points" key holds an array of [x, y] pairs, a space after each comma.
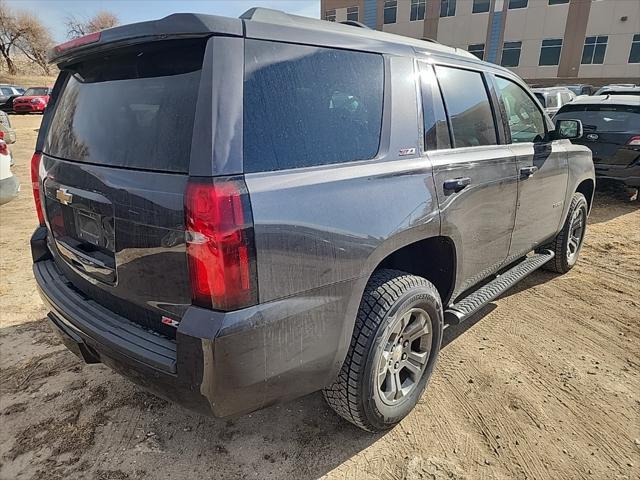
{"points": [[518, 4], [447, 8], [511, 54], [390, 10], [594, 50], [417, 9], [634, 54], [352, 14], [550, 51], [557, 2], [481, 6], [477, 49], [330, 15]]}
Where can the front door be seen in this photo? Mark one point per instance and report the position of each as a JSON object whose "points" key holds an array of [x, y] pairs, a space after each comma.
{"points": [[542, 169]]}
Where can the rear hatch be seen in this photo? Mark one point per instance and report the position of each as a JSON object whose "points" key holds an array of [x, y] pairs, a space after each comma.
{"points": [[608, 130], [116, 161]]}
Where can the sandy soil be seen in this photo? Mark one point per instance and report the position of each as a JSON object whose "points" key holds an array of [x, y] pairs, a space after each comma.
{"points": [[545, 384]]}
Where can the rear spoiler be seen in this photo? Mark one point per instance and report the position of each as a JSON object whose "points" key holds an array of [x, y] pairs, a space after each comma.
{"points": [[177, 25]]}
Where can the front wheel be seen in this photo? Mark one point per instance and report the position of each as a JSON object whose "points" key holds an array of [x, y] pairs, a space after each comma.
{"points": [[393, 351], [567, 244]]}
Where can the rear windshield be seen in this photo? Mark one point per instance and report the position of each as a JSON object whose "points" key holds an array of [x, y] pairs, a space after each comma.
{"points": [[603, 118], [130, 108]]}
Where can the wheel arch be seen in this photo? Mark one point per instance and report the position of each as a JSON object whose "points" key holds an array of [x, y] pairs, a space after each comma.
{"points": [[587, 188], [433, 258]]}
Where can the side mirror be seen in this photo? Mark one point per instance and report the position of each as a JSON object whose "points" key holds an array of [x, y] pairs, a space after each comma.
{"points": [[568, 129]]}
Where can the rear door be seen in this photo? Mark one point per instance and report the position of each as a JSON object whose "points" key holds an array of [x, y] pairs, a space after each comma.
{"points": [[542, 168], [114, 168], [476, 180]]}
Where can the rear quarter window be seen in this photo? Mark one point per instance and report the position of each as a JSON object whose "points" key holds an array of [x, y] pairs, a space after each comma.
{"points": [[130, 108], [306, 106]]}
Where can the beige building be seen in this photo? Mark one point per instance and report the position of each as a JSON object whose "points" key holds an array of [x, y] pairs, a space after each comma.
{"points": [[543, 41]]}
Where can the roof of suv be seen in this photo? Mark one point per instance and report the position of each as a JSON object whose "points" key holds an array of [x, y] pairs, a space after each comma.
{"points": [[607, 100], [265, 24]]}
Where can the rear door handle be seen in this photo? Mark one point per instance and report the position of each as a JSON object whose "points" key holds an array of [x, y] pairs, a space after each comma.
{"points": [[457, 184], [528, 171]]}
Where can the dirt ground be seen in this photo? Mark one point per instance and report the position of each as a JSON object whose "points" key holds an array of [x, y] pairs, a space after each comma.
{"points": [[545, 384]]}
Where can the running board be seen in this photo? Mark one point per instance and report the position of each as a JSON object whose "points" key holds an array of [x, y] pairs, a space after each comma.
{"points": [[459, 312]]}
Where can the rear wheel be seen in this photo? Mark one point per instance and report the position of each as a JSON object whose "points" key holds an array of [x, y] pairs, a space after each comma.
{"points": [[393, 351], [567, 244]]}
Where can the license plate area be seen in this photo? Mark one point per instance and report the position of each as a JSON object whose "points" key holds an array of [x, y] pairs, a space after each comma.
{"points": [[83, 230]]}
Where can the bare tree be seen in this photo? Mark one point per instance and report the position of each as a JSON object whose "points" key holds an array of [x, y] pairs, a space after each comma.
{"points": [[10, 33], [35, 41], [77, 27]]}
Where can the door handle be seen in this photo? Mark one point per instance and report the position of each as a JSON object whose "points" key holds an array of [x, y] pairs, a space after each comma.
{"points": [[528, 171], [457, 184]]}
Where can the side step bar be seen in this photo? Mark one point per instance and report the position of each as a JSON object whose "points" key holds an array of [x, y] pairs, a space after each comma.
{"points": [[459, 312]]}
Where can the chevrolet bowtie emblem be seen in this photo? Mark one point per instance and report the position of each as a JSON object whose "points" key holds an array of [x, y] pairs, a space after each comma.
{"points": [[64, 196]]}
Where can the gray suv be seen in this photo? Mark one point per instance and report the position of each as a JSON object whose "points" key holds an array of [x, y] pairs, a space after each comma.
{"points": [[282, 205]]}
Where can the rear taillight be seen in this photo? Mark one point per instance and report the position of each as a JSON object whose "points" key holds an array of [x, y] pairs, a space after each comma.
{"points": [[35, 184], [220, 243], [78, 42], [1, 135], [4, 148], [634, 141]]}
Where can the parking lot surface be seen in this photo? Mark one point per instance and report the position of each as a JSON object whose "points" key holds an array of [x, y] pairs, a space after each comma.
{"points": [[544, 384]]}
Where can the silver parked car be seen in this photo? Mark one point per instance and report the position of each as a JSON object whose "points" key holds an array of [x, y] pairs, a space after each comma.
{"points": [[552, 98]]}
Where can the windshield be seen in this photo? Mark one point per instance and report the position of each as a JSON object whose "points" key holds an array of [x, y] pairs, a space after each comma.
{"points": [[36, 91], [602, 118], [131, 108]]}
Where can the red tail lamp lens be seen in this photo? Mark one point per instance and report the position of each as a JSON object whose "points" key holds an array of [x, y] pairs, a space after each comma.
{"points": [[35, 184], [220, 243]]}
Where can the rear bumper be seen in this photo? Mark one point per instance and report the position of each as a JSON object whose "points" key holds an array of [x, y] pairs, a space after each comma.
{"points": [[220, 363], [9, 188], [629, 175]]}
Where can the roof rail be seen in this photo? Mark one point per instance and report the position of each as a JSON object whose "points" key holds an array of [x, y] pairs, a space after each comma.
{"points": [[430, 40], [353, 23]]}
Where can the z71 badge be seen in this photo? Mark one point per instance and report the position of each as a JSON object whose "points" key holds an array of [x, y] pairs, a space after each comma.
{"points": [[407, 151]]}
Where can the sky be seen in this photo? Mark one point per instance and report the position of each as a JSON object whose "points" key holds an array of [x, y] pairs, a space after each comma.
{"points": [[54, 12]]}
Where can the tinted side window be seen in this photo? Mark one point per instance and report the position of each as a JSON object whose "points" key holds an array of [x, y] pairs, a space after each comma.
{"points": [[468, 107], [307, 106], [526, 122], [436, 130]]}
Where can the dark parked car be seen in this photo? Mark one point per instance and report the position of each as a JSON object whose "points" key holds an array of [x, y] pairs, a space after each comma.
{"points": [[235, 212], [7, 94], [581, 89], [612, 132]]}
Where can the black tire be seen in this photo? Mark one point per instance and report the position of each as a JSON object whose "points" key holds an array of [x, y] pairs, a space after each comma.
{"points": [[389, 296], [563, 261]]}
